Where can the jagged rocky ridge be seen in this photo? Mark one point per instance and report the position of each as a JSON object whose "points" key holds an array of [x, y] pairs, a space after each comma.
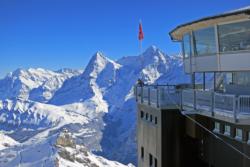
{"points": [[97, 105]]}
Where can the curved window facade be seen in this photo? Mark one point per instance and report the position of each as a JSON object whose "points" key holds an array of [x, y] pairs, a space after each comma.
{"points": [[204, 41], [187, 45], [234, 36]]}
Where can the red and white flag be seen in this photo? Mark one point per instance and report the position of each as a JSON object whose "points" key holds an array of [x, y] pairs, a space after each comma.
{"points": [[140, 35]]}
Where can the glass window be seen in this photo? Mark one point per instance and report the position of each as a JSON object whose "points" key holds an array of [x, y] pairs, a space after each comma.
{"points": [[223, 79], [155, 162], [234, 36], [217, 127], [227, 130], [241, 78], [209, 77], [155, 120], [187, 45], [142, 152], [239, 134], [229, 78], [198, 80], [204, 41], [150, 160], [151, 118], [248, 142], [142, 114]]}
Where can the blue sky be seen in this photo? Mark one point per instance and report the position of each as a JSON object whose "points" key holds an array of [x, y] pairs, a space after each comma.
{"points": [[55, 34]]}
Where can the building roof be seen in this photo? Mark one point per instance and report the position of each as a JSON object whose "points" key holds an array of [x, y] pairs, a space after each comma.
{"points": [[176, 34]]}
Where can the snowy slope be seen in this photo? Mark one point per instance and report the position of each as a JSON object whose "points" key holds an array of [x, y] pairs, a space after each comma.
{"points": [[97, 106], [23, 119], [57, 150], [6, 142]]}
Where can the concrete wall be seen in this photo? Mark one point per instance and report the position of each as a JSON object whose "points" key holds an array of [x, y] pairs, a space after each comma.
{"points": [[149, 136], [163, 140]]}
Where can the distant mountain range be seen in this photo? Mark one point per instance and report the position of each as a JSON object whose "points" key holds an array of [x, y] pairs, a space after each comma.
{"points": [[95, 105]]}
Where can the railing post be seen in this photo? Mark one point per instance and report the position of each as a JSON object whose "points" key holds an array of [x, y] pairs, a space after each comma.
{"points": [[195, 99], [141, 94], [149, 96], [212, 103], [157, 97], [135, 92], [181, 106], [235, 108]]}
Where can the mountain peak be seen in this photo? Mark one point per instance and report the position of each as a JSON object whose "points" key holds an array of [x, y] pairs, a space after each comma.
{"points": [[152, 50], [99, 55], [17, 72], [153, 54], [21, 71], [98, 59], [97, 63]]}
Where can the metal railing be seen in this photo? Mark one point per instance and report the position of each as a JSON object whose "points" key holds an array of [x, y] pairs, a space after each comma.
{"points": [[225, 103], [159, 96], [244, 104], [209, 101], [187, 98], [163, 96], [203, 100]]}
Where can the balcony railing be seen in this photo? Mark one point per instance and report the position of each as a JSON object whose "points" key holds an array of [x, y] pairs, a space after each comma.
{"points": [[160, 96], [165, 96]]}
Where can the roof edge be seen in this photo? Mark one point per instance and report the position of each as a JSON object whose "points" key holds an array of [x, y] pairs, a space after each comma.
{"points": [[235, 12]]}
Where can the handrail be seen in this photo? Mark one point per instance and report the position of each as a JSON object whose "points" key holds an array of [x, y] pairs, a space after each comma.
{"points": [[155, 85], [155, 95], [244, 104], [198, 100]]}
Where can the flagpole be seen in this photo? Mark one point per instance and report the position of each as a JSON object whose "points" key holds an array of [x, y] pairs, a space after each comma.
{"points": [[140, 46]]}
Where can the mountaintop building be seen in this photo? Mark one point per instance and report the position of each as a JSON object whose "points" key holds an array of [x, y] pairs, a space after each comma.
{"points": [[205, 123]]}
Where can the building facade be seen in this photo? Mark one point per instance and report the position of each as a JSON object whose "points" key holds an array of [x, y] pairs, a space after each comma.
{"points": [[207, 122]]}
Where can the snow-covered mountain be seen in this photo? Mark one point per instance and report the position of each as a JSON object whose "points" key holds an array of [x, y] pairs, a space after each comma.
{"points": [[96, 106], [34, 84]]}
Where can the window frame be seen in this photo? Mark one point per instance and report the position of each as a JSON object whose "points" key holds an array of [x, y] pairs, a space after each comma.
{"points": [[215, 41], [248, 135], [146, 117], [156, 120], [227, 23], [142, 114], [155, 162], [142, 152], [217, 129], [151, 118], [151, 160], [237, 136], [227, 130], [190, 45]]}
